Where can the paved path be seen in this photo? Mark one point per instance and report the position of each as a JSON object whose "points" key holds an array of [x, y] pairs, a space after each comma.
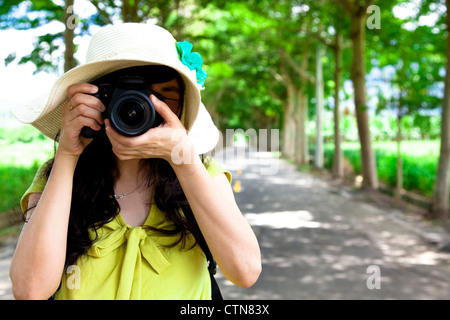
{"points": [[6, 252], [321, 241]]}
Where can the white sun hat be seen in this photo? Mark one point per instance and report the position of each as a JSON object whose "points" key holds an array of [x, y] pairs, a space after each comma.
{"points": [[117, 47]]}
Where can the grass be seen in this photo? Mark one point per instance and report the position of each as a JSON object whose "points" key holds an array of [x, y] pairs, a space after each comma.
{"points": [[408, 148], [21, 153], [23, 150], [420, 159]]}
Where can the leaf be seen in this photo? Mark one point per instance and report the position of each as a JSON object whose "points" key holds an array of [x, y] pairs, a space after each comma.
{"points": [[10, 58], [362, 108]]}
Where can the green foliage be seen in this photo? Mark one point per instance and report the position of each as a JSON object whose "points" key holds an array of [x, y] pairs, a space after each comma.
{"points": [[412, 59], [383, 127], [25, 15], [241, 42], [45, 12], [238, 62]]}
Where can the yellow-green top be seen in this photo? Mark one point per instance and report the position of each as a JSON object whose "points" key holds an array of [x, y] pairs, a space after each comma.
{"points": [[134, 262]]}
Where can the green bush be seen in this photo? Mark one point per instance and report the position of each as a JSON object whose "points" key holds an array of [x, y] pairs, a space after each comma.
{"points": [[419, 173], [387, 167], [354, 157]]}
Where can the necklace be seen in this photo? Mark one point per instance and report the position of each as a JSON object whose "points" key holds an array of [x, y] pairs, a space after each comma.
{"points": [[123, 195]]}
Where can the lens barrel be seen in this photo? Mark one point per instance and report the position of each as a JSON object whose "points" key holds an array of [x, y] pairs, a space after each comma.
{"points": [[132, 113]]}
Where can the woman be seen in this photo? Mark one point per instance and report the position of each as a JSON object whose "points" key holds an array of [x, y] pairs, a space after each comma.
{"points": [[118, 217]]}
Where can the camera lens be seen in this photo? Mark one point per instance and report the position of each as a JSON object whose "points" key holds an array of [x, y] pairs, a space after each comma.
{"points": [[132, 114]]}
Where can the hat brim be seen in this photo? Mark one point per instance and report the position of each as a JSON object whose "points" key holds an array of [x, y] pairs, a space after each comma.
{"points": [[118, 47], [48, 119], [204, 133]]}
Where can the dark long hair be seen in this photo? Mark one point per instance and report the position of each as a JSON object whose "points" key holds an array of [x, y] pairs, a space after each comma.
{"points": [[93, 204]]}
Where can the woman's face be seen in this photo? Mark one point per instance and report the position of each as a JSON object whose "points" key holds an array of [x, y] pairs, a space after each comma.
{"points": [[171, 92]]}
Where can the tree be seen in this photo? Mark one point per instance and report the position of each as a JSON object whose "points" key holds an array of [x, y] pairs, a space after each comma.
{"points": [[70, 19], [414, 72], [357, 11], [318, 158], [441, 191], [167, 13], [46, 46], [238, 61], [282, 66], [338, 163], [332, 36], [295, 54]]}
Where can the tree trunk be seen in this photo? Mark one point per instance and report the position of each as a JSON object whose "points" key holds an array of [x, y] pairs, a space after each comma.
{"points": [[399, 187], [295, 142], [440, 197], [301, 113], [124, 11], [369, 170], [69, 60], [289, 126], [318, 158], [130, 11], [338, 163]]}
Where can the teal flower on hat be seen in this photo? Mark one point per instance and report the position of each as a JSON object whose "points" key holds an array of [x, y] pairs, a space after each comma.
{"points": [[193, 60]]}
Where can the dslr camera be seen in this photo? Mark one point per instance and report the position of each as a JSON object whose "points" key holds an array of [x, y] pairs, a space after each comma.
{"points": [[128, 107]]}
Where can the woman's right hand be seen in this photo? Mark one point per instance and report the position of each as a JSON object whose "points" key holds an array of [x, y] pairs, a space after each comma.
{"points": [[82, 110]]}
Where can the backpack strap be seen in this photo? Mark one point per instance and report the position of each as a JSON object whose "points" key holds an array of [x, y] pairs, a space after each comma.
{"points": [[212, 268]]}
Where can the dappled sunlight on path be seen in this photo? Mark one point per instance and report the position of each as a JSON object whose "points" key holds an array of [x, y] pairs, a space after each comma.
{"points": [[284, 219], [319, 241]]}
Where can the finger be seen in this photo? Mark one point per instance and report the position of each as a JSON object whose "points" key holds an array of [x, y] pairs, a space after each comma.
{"points": [[87, 111], [163, 109], [79, 122], [81, 88], [88, 100], [113, 135], [110, 130], [118, 142]]}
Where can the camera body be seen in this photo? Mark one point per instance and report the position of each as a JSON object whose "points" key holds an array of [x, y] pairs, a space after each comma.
{"points": [[128, 107]]}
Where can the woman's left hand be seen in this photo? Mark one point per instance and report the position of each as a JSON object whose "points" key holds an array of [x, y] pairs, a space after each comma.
{"points": [[168, 141]]}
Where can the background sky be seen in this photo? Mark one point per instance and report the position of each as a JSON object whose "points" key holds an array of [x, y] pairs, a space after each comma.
{"points": [[17, 82]]}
